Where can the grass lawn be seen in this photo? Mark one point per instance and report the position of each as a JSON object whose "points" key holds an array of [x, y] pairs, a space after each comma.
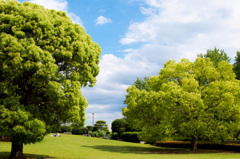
{"points": [[81, 147]]}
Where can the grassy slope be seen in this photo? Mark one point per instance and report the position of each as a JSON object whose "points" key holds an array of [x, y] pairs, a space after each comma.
{"points": [[75, 146]]}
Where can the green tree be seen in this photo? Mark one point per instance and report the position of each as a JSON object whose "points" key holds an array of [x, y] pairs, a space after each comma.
{"points": [[191, 99], [45, 59], [215, 56], [236, 65], [89, 128], [101, 125], [141, 84], [118, 125]]}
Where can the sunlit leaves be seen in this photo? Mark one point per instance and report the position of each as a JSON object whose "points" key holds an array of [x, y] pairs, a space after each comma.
{"points": [[187, 99], [45, 59]]}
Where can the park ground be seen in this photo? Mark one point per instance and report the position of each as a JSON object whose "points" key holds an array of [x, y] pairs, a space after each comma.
{"points": [[81, 147]]}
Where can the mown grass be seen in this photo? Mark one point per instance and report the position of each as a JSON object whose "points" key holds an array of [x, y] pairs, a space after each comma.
{"points": [[81, 147]]}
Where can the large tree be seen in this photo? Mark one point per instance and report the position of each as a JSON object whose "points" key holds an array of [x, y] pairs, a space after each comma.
{"points": [[216, 56], [44, 61], [192, 99]]}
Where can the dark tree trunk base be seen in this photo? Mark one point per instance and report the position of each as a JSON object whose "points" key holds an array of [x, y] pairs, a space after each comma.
{"points": [[193, 143], [17, 151]]}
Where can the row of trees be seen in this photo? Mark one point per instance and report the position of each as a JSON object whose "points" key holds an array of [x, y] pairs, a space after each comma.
{"points": [[198, 99], [99, 126]]}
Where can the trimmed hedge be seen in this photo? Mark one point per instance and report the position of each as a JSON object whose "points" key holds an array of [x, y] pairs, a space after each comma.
{"points": [[130, 136], [79, 131]]}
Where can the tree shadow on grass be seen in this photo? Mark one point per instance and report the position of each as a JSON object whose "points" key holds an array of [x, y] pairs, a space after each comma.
{"points": [[153, 150], [5, 155]]}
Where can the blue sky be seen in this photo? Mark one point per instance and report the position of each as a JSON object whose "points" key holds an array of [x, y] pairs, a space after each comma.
{"points": [[138, 36]]}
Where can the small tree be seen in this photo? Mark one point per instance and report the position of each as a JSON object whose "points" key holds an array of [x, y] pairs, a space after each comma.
{"points": [[89, 128], [101, 125], [118, 125]]}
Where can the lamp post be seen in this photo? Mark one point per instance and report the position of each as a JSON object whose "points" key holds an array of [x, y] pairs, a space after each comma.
{"points": [[93, 119]]}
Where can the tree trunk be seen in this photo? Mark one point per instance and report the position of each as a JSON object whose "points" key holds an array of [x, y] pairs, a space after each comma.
{"points": [[193, 144], [17, 151]]}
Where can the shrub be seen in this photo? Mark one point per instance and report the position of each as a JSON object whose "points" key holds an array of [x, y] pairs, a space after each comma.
{"points": [[95, 134], [95, 128], [65, 128], [109, 136], [79, 131], [130, 136], [90, 132], [117, 124], [115, 135], [102, 134]]}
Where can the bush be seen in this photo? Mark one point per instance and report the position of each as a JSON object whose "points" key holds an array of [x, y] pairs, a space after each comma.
{"points": [[90, 132], [102, 134], [109, 136], [79, 131], [130, 136], [95, 128], [89, 127], [117, 125], [115, 135], [95, 134], [65, 128]]}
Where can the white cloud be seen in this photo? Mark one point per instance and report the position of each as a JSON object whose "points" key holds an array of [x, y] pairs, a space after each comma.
{"points": [[59, 5], [116, 75], [102, 20], [188, 24], [128, 50], [75, 19]]}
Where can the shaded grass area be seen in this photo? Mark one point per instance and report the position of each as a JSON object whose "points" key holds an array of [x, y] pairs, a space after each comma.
{"points": [[81, 147], [226, 146]]}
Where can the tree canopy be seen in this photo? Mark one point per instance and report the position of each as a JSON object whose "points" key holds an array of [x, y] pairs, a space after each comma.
{"points": [[44, 61], [101, 125], [216, 56], [192, 99]]}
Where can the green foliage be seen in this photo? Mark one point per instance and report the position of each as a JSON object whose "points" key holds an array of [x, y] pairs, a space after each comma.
{"points": [[216, 56], [95, 134], [236, 65], [65, 128], [115, 135], [102, 133], [79, 131], [130, 136], [89, 128], [191, 99], [141, 85], [117, 124], [95, 128], [45, 59]]}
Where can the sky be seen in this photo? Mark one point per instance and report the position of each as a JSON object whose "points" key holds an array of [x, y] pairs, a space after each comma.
{"points": [[138, 36]]}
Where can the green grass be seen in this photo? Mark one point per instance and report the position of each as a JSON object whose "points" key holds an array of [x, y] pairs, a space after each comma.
{"points": [[81, 147]]}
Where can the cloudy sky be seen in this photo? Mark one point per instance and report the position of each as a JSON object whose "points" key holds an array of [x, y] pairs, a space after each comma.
{"points": [[138, 36]]}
